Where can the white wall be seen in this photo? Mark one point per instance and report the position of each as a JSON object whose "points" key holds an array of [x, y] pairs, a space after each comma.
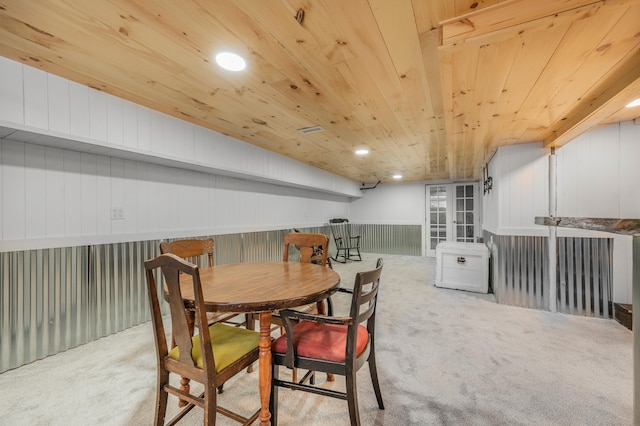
{"points": [[54, 197], [520, 176], [598, 173], [396, 203]]}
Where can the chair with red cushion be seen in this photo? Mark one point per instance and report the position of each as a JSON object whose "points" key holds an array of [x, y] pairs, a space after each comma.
{"points": [[334, 345]]}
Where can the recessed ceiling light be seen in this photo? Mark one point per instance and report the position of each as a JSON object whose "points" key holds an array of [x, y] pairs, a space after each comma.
{"points": [[397, 176], [362, 151], [634, 103], [231, 61]]}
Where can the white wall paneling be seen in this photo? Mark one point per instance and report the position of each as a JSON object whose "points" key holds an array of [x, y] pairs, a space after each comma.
{"points": [[629, 193], [13, 190], [36, 106], [59, 111], [89, 193], [79, 113], [115, 120], [36, 198], [103, 191], [98, 123], [54, 197], [11, 91], [72, 193], [397, 203], [589, 174], [143, 121], [520, 184]]}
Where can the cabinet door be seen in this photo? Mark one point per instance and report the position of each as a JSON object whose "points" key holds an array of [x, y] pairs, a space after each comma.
{"points": [[452, 214]]}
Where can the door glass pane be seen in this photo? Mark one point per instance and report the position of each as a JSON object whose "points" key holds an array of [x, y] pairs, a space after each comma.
{"points": [[450, 210], [465, 215], [437, 215], [469, 191]]}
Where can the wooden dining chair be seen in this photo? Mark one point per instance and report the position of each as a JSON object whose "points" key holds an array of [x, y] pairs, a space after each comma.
{"points": [[194, 250], [211, 357], [337, 345], [312, 248]]}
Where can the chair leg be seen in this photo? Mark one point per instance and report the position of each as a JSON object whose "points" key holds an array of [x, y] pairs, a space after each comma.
{"points": [[373, 370], [161, 398], [250, 324], [273, 399], [210, 404], [352, 398], [358, 254]]}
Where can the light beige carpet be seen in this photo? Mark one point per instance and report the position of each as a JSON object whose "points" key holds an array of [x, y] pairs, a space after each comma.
{"points": [[445, 357]]}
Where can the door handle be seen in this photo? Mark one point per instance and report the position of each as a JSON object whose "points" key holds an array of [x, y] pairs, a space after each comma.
{"points": [[461, 260]]}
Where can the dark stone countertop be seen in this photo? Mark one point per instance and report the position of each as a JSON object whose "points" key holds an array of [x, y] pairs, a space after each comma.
{"points": [[615, 226]]}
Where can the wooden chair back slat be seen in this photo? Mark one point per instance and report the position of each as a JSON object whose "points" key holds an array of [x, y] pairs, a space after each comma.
{"points": [[308, 244], [190, 249]]}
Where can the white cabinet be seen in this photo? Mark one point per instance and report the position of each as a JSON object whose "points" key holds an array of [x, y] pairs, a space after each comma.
{"points": [[462, 266]]}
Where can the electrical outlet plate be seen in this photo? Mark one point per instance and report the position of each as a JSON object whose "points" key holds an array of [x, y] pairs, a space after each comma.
{"points": [[117, 213]]}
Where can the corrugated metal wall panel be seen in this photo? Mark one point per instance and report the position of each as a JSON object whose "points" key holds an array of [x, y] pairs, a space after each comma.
{"points": [[55, 299], [389, 239], [519, 270], [584, 276], [42, 300]]}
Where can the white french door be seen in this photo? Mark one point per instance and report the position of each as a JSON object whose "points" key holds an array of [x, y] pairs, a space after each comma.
{"points": [[452, 214]]}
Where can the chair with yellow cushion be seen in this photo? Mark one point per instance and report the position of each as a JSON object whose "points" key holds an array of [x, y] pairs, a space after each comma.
{"points": [[211, 357]]}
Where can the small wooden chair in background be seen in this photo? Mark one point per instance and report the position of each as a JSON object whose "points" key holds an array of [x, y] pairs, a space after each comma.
{"points": [[211, 357], [193, 250], [347, 245]]}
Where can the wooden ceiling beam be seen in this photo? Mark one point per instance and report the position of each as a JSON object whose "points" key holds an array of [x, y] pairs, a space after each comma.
{"points": [[509, 15], [619, 87]]}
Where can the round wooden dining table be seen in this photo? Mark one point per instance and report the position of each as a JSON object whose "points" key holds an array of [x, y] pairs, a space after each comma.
{"points": [[262, 287]]}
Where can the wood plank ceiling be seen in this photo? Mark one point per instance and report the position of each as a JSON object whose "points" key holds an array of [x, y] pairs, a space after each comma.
{"points": [[431, 88]]}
